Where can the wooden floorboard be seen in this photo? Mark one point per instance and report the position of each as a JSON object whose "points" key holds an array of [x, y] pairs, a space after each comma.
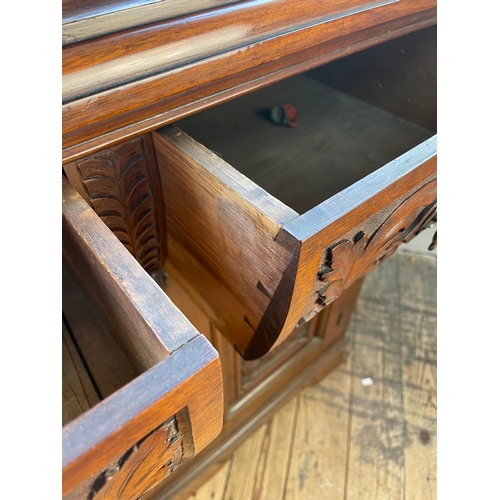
{"points": [[376, 442], [259, 468], [318, 457], [342, 439], [419, 358], [216, 487]]}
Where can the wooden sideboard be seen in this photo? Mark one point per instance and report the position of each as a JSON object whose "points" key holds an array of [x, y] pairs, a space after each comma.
{"points": [[212, 258]]}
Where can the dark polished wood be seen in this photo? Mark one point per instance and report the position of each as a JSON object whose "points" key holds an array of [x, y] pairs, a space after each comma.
{"points": [[347, 260], [180, 370], [252, 283], [105, 117], [148, 327], [87, 19], [115, 60], [264, 271], [254, 288]]}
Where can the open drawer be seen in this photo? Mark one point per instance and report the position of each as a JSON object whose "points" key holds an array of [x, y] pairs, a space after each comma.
{"points": [[268, 224], [171, 404]]}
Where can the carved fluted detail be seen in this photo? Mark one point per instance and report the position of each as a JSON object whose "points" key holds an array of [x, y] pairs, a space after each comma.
{"points": [[119, 184]]}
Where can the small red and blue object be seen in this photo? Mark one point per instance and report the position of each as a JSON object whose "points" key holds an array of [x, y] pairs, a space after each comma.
{"points": [[284, 115]]}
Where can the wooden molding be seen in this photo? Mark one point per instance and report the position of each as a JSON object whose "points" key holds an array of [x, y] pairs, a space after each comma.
{"points": [[101, 118]]}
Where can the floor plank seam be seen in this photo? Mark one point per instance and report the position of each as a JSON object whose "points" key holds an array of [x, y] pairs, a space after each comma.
{"points": [[400, 368], [351, 403], [224, 491], [292, 442]]}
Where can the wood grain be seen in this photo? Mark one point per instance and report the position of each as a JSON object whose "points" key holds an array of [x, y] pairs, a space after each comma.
{"points": [[318, 456], [376, 454], [254, 371], [226, 226], [77, 391], [338, 139], [364, 206], [139, 469], [122, 185], [85, 20], [105, 362], [348, 260], [252, 473], [254, 408], [190, 378], [142, 317], [186, 305], [231, 372], [182, 376], [261, 323], [100, 120], [216, 487], [264, 281], [398, 76], [397, 314], [419, 364], [116, 60]]}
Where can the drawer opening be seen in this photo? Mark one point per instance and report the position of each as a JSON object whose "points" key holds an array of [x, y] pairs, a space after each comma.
{"points": [[354, 116], [267, 224], [94, 365], [131, 363]]}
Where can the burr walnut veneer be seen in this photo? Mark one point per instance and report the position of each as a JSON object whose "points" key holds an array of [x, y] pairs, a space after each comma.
{"points": [[211, 265]]}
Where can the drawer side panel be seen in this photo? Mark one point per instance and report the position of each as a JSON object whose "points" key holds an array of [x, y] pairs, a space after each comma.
{"points": [[222, 239]]}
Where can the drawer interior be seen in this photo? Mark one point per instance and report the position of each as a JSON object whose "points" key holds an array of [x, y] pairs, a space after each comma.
{"points": [[93, 364], [353, 116], [254, 209], [131, 361], [245, 214]]}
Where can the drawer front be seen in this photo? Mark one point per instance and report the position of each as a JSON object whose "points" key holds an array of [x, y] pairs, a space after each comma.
{"points": [[148, 462], [269, 222], [128, 442], [233, 244], [350, 234]]}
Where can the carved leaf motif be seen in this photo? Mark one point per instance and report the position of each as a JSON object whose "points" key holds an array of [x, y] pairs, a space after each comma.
{"points": [[119, 188], [350, 259], [142, 467]]}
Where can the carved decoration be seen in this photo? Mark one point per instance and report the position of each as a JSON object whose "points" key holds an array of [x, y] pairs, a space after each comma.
{"points": [[139, 469], [118, 184], [349, 259]]}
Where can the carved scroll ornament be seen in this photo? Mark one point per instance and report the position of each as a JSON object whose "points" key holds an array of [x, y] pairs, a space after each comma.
{"points": [[349, 259]]}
